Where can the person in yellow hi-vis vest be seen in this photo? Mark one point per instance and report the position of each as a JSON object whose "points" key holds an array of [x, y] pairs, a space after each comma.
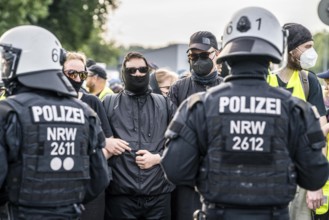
{"points": [[304, 85], [96, 82]]}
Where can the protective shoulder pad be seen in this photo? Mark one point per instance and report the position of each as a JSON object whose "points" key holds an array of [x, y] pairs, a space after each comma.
{"points": [[5, 107], [193, 99], [308, 110], [311, 116], [21, 99]]}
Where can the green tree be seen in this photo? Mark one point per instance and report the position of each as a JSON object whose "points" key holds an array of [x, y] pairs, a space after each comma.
{"points": [[19, 12], [74, 21], [321, 45], [100, 50], [77, 24]]}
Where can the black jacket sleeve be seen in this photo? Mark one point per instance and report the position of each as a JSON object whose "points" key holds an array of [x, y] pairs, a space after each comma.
{"points": [[10, 133], [186, 136], [307, 141], [100, 173], [3, 152], [104, 122]]}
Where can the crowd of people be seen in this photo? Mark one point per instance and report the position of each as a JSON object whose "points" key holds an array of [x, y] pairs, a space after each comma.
{"points": [[231, 139]]}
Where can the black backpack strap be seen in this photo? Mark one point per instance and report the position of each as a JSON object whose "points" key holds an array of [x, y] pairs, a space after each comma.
{"points": [[303, 75], [182, 95], [162, 102]]}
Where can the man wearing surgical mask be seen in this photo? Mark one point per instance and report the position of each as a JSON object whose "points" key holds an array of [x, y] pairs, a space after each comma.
{"points": [[301, 57], [202, 56], [303, 84]]}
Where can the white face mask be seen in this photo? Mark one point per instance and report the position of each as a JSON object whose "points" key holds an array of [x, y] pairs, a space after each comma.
{"points": [[308, 58]]}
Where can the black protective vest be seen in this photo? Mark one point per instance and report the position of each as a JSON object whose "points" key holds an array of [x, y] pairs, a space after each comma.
{"points": [[247, 161], [53, 164]]}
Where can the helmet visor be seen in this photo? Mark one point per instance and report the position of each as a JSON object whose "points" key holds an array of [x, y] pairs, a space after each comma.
{"points": [[9, 57]]}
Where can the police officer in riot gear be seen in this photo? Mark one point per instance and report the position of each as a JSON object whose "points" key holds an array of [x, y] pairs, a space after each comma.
{"points": [[50, 143], [246, 145]]}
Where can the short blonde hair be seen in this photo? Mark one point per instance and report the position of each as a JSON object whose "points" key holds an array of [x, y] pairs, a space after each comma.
{"points": [[71, 55], [165, 77]]}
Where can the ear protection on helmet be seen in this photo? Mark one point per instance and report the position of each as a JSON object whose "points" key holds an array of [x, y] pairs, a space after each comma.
{"points": [[62, 58]]}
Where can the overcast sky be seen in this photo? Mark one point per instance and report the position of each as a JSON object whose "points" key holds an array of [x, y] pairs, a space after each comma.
{"points": [[157, 23]]}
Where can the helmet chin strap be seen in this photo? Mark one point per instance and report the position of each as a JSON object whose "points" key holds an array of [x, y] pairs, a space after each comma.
{"points": [[284, 61]]}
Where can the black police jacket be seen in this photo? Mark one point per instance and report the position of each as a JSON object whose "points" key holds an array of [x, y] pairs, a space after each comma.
{"points": [[51, 144], [230, 140], [141, 121]]}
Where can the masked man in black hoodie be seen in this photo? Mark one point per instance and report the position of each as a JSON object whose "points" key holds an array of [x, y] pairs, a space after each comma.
{"points": [[139, 189]]}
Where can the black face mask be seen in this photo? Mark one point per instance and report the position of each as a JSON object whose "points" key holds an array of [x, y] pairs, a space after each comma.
{"points": [[202, 67], [76, 85], [136, 84]]}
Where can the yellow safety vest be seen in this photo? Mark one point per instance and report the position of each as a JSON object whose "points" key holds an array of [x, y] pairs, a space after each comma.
{"points": [[298, 91], [106, 91], [294, 83], [324, 208]]}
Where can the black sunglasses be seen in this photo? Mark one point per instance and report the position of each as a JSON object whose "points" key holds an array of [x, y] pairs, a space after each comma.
{"points": [[196, 56], [132, 70], [74, 74]]}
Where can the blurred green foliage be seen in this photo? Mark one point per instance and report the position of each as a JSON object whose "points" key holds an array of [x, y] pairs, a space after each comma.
{"points": [[18, 12], [78, 24], [321, 45]]}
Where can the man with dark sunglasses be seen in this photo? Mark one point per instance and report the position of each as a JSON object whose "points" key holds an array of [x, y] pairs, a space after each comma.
{"points": [[74, 68], [202, 56], [138, 119]]}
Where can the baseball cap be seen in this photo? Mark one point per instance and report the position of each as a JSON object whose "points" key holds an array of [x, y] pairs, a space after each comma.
{"points": [[324, 75], [98, 70], [203, 40]]}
